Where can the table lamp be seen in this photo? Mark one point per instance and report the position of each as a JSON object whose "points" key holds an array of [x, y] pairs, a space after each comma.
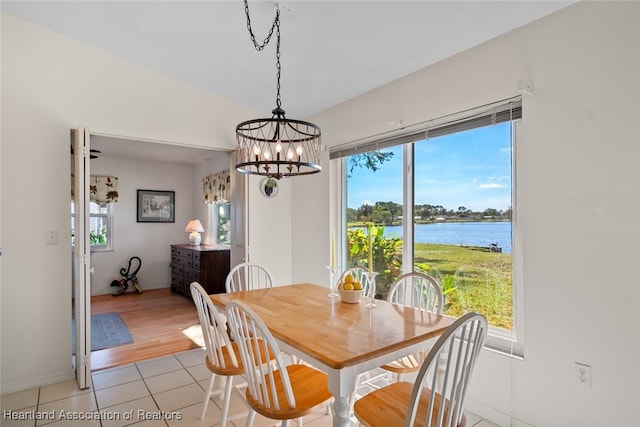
{"points": [[195, 228]]}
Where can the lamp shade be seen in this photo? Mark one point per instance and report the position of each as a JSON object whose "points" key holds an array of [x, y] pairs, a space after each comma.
{"points": [[194, 225]]}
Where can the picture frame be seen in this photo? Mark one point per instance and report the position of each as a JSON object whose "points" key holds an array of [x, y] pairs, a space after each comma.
{"points": [[156, 206], [269, 187]]}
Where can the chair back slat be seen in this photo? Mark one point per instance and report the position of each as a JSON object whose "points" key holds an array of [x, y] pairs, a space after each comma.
{"points": [[455, 354], [256, 344], [213, 328], [247, 276], [417, 290]]}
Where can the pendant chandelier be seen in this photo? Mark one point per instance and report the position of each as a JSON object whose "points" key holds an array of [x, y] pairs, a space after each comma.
{"points": [[276, 147]]}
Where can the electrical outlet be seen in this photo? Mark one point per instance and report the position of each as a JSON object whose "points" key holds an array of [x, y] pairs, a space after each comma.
{"points": [[52, 237], [583, 374]]}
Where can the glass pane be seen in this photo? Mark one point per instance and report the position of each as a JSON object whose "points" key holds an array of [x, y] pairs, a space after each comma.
{"points": [[222, 214], [99, 224], [375, 197], [462, 231]]}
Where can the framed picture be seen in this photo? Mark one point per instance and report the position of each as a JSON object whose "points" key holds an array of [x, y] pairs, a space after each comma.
{"points": [[156, 206], [269, 187]]}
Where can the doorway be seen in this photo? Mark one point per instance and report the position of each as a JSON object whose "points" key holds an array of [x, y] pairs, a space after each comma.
{"points": [[113, 155]]}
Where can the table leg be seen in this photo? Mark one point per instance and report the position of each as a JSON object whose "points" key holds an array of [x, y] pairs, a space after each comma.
{"points": [[341, 385], [341, 410]]}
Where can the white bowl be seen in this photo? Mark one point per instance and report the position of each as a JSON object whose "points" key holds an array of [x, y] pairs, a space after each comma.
{"points": [[352, 297]]}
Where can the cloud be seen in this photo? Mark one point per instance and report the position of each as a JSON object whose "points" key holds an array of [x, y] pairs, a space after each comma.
{"points": [[490, 186]]}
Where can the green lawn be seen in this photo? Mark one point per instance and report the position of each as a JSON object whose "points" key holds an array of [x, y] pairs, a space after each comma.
{"points": [[482, 280]]}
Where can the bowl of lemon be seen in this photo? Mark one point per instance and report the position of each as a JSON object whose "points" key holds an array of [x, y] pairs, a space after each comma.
{"points": [[350, 290]]}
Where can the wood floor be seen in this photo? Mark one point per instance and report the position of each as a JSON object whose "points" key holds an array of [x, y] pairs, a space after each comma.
{"points": [[161, 322]]}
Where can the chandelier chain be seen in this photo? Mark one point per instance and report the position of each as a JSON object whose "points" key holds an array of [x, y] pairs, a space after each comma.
{"points": [[259, 47]]}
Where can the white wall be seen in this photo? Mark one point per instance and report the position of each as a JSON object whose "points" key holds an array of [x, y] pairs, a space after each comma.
{"points": [[51, 84], [269, 229], [149, 241], [578, 205]]}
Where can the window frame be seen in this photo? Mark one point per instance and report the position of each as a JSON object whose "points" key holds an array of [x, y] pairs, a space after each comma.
{"points": [[504, 341], [109, 222]]}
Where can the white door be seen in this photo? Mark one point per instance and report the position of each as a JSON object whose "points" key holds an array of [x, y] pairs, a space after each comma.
{"points": [[239, 209], [81, 258]]}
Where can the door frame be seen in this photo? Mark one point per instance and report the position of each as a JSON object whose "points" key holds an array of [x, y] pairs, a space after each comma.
{"points": [[82, 257]]}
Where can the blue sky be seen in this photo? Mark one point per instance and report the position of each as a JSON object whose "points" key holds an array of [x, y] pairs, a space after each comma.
{"points": [[470, 169]]}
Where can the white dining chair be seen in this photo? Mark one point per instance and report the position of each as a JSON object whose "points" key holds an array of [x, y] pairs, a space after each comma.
{"points": [[421, 292], [274, 390], [404, 403], [222, 356], [412, 290], [246, 276]]}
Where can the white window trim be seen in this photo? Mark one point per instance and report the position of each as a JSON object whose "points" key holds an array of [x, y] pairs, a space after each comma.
{"points": [[109, 246]]}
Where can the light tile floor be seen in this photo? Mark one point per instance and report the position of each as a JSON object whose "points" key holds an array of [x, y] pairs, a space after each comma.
{"points": [[166, 392]]}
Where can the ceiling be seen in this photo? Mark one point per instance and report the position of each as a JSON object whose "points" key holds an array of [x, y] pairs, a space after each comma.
{"points": [[148, 151], [331, 51]]}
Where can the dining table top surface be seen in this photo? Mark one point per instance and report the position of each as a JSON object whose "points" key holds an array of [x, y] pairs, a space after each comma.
{"points": [[337, 333]]}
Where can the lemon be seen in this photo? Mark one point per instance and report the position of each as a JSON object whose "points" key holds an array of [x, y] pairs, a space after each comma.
{"points": [[348, 286], [348, 279], [357, 286]]}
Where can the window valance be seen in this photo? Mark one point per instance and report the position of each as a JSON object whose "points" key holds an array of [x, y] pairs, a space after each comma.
{"points": [[216, 187], [102, 189]]}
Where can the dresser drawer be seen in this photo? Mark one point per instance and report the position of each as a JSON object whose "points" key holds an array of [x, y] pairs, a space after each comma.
{"points": [[191, 275], [177, 269], [185, 253], [177, 280], [184, 261]]}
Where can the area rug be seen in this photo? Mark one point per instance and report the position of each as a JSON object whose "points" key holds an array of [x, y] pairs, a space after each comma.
{"points": [[107, 330]]}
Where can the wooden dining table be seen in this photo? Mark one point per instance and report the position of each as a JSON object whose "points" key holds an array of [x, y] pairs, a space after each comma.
{"points": [[341, 339]]}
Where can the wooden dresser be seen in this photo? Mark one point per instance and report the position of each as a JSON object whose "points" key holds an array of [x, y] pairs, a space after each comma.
{"points": [[208, 265]]}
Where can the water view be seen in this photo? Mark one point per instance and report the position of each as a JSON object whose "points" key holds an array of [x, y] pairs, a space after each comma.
{"points": [[460, 233]]}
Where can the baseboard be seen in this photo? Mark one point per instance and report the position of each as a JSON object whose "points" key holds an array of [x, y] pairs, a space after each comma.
{"points": [[58, 377], [493, 415], [496, 417]]}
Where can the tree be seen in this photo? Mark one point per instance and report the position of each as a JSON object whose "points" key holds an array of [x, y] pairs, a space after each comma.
{"points": [[491, 212], [507, 214], [394, 210], [462, 211], [352, 215], [381, 215], [371, 160]]}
